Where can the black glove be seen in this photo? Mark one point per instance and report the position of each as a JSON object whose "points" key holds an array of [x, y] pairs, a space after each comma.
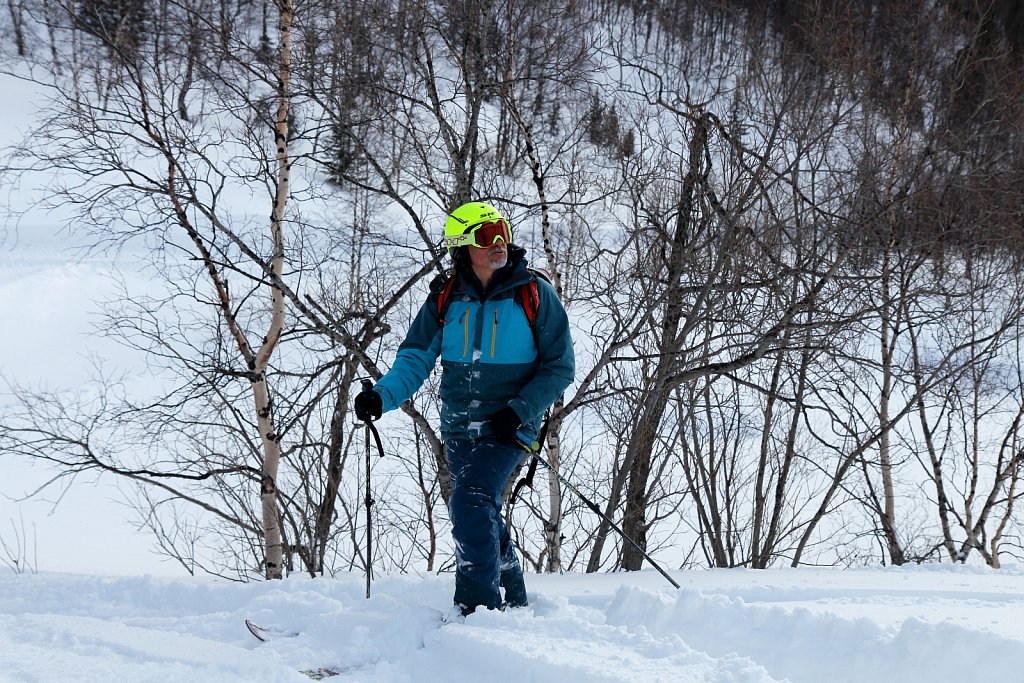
{"points": [[504, 424], [368, 405]]}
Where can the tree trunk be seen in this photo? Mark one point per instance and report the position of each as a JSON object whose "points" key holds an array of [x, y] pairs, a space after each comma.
{"points": [[888, 343], [553, 527], [760, 550], [17, 22], [936, 472], [273, 541], [640, 453], [553, 524]]}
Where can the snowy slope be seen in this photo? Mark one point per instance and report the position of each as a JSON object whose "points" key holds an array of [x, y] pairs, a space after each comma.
{"points": [[805, 626], [54, 303]]}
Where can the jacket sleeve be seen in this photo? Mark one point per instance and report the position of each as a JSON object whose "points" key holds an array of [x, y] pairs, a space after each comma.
{"points": [[414, 362], [556, 362]]}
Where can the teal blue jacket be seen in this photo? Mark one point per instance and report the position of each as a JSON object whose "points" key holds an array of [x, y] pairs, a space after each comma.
{"points": [[490, 356]]}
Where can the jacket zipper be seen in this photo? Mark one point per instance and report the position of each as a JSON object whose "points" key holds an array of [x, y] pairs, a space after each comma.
{"points": [[494, 331], [465, 340]]}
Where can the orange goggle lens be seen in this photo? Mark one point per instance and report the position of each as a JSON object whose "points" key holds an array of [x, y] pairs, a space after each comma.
{"points": [[482, 235], [486, 234]]}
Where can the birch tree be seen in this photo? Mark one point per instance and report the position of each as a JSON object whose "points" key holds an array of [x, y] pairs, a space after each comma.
{"points": [[128, 156]]}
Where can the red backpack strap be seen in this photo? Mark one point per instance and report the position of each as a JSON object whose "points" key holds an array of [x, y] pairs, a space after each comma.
{"points": [[529, 297], [444, 299], [441, 295]]}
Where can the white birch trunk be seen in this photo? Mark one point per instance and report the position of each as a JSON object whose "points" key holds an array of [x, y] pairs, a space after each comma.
{"points": [[273, 537], [553, 529]]}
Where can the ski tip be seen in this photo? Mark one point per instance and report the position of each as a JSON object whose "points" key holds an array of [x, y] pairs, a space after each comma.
{"points": [[257, 631], [265, 633]]}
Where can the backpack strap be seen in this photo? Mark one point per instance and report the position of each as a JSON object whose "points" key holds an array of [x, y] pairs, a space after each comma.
{"points": [[528, 296], [440, 297]]}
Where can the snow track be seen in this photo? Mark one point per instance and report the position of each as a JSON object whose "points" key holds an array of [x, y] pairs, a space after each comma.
{"points": [[802, 626]]}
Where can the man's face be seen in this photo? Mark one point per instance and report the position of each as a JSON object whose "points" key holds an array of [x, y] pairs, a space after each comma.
{"points": [[492, 257]]}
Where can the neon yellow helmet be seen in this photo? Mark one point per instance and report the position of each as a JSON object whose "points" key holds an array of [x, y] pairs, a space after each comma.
{"points": [[475, 224]]}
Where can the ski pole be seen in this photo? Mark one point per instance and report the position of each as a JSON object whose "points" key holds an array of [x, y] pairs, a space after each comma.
{"points": [[368, 386], [535, 452]]}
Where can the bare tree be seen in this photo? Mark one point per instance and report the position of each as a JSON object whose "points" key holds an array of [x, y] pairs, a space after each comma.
{"points": [[715, 245], [101, 138], [973, 475]]}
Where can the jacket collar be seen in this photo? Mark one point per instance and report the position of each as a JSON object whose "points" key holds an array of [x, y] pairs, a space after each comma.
{"points": [[509, 275]]}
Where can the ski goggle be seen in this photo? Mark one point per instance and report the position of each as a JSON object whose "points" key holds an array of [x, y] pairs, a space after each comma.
{"points": [[481, 235]]}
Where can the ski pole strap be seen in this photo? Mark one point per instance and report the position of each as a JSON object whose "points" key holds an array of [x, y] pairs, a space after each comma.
{"points": [[376, 437], [533, 448], [527, 480]]}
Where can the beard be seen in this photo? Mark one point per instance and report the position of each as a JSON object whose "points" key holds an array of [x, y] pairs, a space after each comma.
{"points": [[497, 259]]}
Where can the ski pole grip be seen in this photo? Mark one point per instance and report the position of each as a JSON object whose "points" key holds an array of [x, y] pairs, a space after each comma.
{"points": [[367, 385]]}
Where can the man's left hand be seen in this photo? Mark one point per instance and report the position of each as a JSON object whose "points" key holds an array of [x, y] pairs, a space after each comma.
{"points": [[505, 424]]}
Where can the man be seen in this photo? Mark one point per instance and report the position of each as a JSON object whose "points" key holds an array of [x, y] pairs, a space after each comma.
{"points": [[506, 356]]}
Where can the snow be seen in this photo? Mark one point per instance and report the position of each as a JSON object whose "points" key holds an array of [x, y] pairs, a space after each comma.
{"points": [[930, 624]]}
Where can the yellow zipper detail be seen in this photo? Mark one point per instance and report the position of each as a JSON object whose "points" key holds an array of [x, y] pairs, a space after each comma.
{"points": [[465, 342], [494, 331]]}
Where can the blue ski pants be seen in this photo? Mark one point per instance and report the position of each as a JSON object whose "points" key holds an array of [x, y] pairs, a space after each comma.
{"points": [[485, 557]]}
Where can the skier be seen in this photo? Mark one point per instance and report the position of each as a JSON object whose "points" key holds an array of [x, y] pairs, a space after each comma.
{"points": [[506, 356]]}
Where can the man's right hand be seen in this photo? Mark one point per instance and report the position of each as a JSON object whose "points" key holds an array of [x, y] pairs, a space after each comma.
{"points": [[368, 406]]}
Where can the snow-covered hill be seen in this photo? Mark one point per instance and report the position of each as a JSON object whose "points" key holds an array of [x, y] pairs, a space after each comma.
{"points": [[806, 626]]}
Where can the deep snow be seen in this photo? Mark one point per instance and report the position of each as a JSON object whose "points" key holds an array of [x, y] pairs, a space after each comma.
{"points": [[930, 624]]}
